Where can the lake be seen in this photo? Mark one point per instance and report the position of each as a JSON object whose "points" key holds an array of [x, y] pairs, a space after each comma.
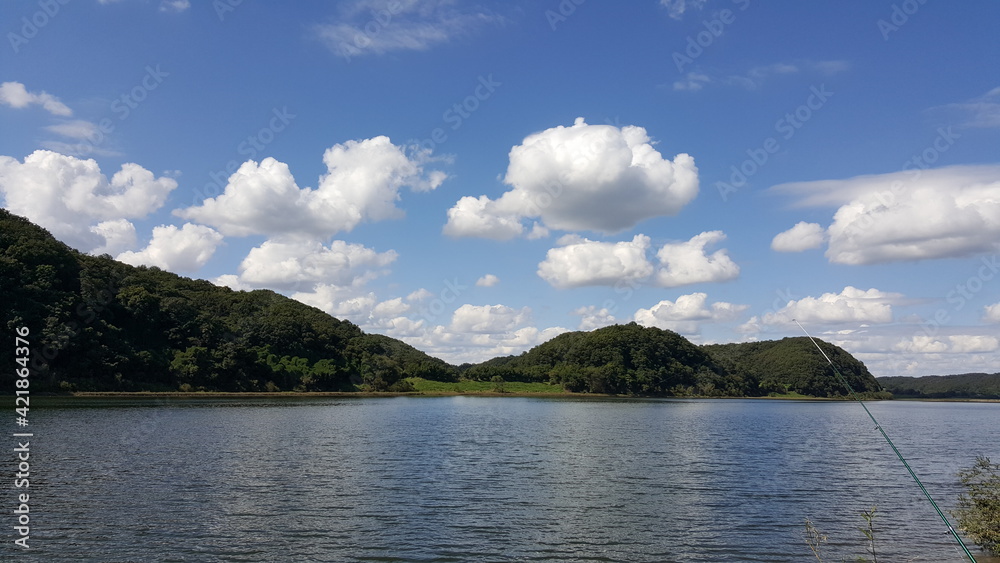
{"points": [[491, 479]]}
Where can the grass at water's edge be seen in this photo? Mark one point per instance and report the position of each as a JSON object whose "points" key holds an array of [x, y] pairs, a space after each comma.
{"points": [[480, 387]]}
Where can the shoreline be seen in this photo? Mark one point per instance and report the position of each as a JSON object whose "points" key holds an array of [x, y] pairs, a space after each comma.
{"points": [[442, 393]]}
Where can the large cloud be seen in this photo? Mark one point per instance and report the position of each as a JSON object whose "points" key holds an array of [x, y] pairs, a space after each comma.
{"points": [[909, 215], [586, 177], [362, 184], [852, 305], [687, 313], [488, 319], [70, 196], [687, 262], [803, 236], [583, 262], [286, 264], [178, 250]]}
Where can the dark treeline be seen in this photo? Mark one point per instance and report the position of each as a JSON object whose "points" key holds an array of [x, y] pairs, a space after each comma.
{"points": [[962, 386], [100, 325]]}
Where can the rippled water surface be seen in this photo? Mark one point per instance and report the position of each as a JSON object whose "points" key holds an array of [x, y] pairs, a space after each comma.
{"points": [[492, 479]]}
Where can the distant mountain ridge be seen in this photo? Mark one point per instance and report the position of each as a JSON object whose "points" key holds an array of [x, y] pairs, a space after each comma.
{"points": [[100, 325], [958, 386]]}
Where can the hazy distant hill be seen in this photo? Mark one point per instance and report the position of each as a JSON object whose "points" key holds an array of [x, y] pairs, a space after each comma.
{"points": [[98, 324], [964, 386]]}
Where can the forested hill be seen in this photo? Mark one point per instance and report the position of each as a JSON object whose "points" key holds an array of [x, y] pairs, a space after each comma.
{"points": [[961, 386], [795, 365], [631, 359], [98, 324]]}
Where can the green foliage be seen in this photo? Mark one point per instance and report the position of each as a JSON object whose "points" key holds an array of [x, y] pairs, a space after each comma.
{"points": [[466, 386], [100, 325], [794, 365], [962, 386], [621, 359], [978, 510], [498, 383]]}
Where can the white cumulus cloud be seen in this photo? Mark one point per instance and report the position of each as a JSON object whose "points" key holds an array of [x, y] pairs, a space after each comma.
{"points": [[991, 313], [686, 263], [852, 305], [119, 236], [489, 280], [362, 183], [584, 262], [686, 314], [488, 319], [973, 343], [909, 215], [16, 95], [585, 177], [70, 196], [477, 216], [592, 317], [292, 263], [186, 249], [803, 236]]}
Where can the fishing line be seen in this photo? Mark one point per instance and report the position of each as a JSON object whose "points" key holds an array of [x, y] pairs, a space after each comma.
{"points": [[878, 427]]}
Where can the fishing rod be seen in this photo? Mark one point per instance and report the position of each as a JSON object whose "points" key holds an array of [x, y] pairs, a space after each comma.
{"points": [[878, 427]]}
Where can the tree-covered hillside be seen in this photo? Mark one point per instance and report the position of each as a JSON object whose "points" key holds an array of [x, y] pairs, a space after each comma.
{"points": [[961, 386], [620, 359], [631, 359], [794, 365], [98, 324]]}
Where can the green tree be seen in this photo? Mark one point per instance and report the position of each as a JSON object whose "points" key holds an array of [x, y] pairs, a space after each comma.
{"points": [[978, 510]]}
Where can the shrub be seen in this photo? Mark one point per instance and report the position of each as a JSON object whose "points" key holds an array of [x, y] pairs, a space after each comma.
{"points": [[978, 510]]}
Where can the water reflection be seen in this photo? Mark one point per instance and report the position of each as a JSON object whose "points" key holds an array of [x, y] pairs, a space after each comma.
{"points": [[497, 479]]}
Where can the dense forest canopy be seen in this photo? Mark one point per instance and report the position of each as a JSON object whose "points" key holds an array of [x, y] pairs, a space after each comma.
{"points": [[98, 324], [961, 386], [631, 359], [101, 325]]}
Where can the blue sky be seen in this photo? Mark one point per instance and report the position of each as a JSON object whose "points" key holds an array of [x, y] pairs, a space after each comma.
{"points": [[477, 177]]}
